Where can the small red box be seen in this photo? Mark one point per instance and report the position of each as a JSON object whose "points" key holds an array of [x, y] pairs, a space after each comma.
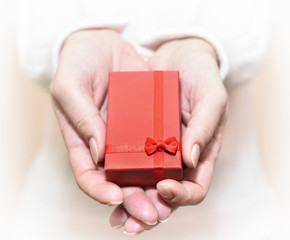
{"points": [[143, 128]]}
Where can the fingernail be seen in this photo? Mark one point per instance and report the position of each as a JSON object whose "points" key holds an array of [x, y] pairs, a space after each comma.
{"points": [[163, 221], [115, 203], [117, 226], [94, 149], [151, 224], [165, 192], [195, 155], [133, 233]]}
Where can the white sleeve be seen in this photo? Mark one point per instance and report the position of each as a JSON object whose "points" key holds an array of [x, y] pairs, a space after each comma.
{"points": [[238, 30], [43, 26]]}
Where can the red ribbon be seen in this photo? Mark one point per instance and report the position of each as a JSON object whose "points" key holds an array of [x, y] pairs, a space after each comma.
{"points": [[158, 127], [170, 145]]}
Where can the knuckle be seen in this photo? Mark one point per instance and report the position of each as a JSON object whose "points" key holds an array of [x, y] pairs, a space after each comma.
{"points": [[81, 180], [189, 198], [206, 133], [195, 198], [81, 126], [77, 144]]}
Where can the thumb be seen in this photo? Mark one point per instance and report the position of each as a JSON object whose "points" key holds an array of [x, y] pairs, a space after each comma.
{"points": [[205, 118], [81, 108]]}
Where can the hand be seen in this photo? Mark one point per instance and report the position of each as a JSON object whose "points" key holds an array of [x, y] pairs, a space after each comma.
{"points": [[204, 106], [78, 91]]}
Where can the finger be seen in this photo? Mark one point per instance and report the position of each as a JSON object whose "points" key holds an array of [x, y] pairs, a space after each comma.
{"points": [[183, 193], [118, 217], [139, 205], [134, 226], [187, 192], [89, 176], [193, 189], [163, 209], [204, 120]]}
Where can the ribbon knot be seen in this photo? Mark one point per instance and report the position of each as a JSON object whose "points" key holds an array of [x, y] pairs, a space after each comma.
{"points": [[170, 145]]}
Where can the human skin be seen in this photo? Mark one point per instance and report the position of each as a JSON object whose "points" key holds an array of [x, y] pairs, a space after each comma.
{"points": [[78, 91]]}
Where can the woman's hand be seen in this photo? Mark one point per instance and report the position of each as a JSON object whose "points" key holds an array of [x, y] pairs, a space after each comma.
{"points": [[204, 104], [78, 91]]}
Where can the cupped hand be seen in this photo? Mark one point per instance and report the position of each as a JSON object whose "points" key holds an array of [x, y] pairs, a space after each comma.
{"points": [[78, 91], [204, 106]]}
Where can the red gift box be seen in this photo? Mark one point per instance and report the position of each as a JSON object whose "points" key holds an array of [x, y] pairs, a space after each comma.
{"points": [[143, 128]]}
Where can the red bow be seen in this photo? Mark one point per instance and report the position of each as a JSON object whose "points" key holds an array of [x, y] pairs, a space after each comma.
{"points": [[170, 145]]}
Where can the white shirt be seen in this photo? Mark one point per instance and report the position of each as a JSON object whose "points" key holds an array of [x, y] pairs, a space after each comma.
{"points": [[238, 29]]}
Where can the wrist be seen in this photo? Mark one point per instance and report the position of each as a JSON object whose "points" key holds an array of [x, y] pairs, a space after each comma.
{"points": [[199, 46], [206, 47], [181, 52], [91, 35]]}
